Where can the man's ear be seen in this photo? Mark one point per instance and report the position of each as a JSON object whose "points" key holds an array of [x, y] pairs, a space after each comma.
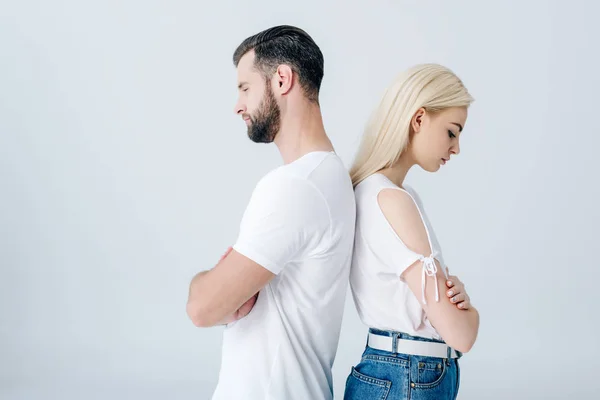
{"points": [[284, 79]]}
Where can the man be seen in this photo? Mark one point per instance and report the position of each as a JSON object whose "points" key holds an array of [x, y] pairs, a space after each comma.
{"points": [[296, 237]]}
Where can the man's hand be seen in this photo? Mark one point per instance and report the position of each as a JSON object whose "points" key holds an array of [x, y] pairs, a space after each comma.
{"points": [[457, 293], [246, 307], [226, 253]]}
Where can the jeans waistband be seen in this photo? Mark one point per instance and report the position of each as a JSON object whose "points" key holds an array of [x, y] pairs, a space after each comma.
{"points": [[402, 335]]}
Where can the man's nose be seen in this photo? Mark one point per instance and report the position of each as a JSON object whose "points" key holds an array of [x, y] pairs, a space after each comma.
{"points": [[239, 108]]}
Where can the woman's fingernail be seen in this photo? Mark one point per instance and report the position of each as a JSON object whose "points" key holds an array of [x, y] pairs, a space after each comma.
{"points": [[450, 293], [454, 299], [460, 305], [449, 283]]}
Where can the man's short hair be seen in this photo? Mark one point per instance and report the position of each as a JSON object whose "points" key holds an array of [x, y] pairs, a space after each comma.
{"points": [[286, 45]]}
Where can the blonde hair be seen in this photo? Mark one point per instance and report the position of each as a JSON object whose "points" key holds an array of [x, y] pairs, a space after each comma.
{"points": [[429, 86]]}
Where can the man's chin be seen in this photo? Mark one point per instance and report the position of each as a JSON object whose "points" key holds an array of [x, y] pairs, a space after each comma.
{"points": [[260, 138], [263, 141]]}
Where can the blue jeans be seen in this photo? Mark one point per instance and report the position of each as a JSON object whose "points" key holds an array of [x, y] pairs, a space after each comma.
{"points": [[383, 375]]}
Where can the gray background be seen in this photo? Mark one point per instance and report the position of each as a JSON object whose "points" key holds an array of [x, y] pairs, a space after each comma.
{"points": [[124, 172]]}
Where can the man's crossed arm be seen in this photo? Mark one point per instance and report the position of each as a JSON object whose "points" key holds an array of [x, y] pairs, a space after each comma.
{"points": [[227, 292]]}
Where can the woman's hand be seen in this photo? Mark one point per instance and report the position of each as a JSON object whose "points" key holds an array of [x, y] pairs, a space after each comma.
{"points": [[457, 293]]}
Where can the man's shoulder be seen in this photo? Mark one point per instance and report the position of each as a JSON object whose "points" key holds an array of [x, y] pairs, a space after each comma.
{"points": [[281, 179], [299, 173], [281, 190], [320, 175]]}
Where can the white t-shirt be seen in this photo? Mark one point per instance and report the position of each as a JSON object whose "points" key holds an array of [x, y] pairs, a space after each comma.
{"points": [[299, 225], [382, 299]]}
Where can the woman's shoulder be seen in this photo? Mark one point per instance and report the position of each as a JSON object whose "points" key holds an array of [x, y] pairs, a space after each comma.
{"points": [[414, 194], [374, 183]]}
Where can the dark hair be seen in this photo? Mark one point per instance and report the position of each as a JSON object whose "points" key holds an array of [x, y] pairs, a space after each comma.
{"points": [[286, 45]]}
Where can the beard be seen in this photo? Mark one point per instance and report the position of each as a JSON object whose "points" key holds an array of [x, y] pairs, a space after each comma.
{"points": [[266, 122]]}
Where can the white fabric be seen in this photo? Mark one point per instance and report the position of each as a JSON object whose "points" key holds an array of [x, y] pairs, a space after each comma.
{"points": [[382, 299], [412, 347], [429, 269], [299, 224]]}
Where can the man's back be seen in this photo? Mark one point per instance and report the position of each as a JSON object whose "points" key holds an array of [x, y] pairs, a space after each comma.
{"points": [[300, 226]]}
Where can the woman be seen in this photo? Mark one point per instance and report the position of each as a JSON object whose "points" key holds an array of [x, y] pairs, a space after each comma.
{"points": [[398, 277]]}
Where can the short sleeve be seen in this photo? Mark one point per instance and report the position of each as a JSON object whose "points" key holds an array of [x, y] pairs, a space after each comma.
{"points": [[407, 220], [284, 221]]}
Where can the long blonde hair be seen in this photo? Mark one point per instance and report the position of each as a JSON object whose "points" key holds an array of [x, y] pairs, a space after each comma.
{"points": [[429, 86]]}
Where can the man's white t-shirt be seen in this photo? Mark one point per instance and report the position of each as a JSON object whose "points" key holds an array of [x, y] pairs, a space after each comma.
{"points": [[299, 225]]}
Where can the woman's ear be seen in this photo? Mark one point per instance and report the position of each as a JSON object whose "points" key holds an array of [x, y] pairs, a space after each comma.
{"points": [[417, 120]]}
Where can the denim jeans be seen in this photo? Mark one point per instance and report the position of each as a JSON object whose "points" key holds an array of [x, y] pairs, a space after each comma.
{"points": [[384, 375]]}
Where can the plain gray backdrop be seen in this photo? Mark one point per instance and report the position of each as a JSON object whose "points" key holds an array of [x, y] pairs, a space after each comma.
{"points": [[124, 171]]}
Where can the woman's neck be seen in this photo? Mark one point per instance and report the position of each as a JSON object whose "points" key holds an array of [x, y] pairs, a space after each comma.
{"points": [[398, 172]]}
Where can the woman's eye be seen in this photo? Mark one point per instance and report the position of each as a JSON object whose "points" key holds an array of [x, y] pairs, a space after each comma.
{"points": [[452, 135]]}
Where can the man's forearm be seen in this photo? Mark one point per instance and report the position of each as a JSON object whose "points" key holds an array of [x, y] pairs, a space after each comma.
{"points": [[195, 292], [227, 292], [194, 285]]}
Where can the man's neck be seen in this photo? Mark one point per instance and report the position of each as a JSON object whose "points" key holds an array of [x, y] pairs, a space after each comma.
{"points": [[302, 133]]}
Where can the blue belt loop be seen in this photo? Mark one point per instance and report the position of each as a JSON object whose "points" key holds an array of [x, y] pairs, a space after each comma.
{"points": [[395, 336]]}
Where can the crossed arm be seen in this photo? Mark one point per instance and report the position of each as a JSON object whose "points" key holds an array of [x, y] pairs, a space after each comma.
{"points": [[272, 231], [226, 292], [456, 320]]}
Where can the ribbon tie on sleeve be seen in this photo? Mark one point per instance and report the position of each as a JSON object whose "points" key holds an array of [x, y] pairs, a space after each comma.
{"points": [[429, 269]]}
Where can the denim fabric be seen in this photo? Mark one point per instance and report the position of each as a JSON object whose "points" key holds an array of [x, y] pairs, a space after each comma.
{"points": [[384, 375]]}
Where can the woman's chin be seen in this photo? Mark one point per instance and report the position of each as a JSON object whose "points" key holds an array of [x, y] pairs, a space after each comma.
{"points": [[430, 167]]}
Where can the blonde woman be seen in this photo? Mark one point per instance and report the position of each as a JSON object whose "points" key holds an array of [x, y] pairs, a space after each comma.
{"points": [[420, 318]]}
